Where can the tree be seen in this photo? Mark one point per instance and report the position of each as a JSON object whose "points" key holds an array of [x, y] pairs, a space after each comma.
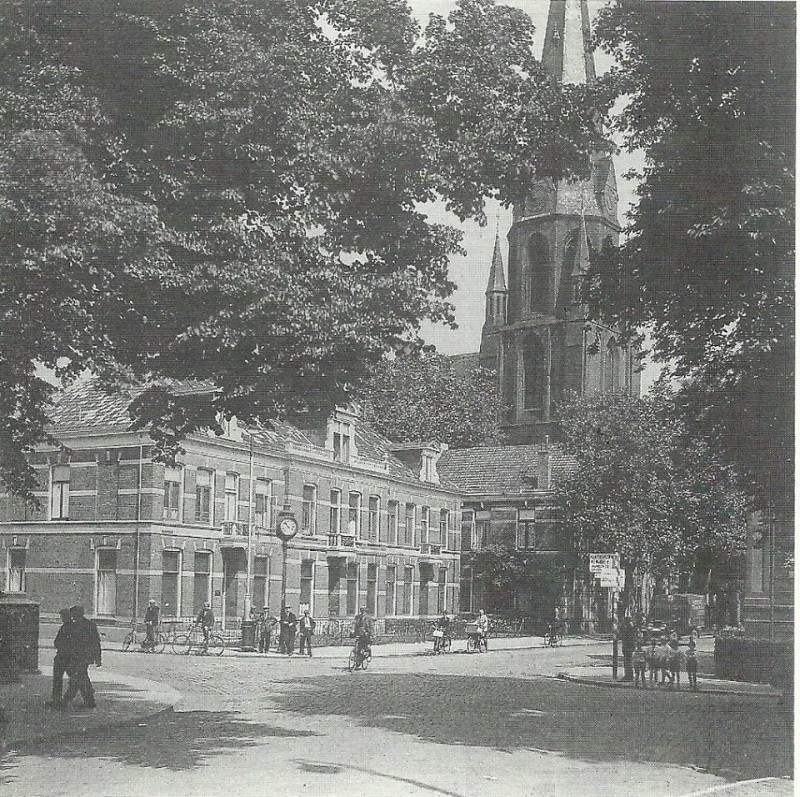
{"points": [[431, 397], [642, 487], [228, 191], [708, 262]]}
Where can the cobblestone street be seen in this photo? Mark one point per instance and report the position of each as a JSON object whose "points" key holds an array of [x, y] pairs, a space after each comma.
{"points": [[460, 724]]}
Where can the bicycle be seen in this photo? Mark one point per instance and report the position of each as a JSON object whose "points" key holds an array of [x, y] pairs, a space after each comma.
{"points": [[476, 641], [137, 642], [195, 643], [360, 656], [441, 641], [552, 637]]}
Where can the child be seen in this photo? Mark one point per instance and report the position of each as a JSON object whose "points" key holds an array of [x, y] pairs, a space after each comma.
{"points": [[691, 665], [663, 661], [639, 665], [674, 659], [652, 662]]}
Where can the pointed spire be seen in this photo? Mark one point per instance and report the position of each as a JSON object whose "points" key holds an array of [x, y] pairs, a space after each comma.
{"points": [[497, 279], [567, 54]]}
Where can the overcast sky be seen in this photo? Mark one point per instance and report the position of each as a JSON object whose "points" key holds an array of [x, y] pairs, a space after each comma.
{"points": [[471, 272]]}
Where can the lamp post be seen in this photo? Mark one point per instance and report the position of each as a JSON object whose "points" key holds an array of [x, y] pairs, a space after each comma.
{"points": [[286, 529]]}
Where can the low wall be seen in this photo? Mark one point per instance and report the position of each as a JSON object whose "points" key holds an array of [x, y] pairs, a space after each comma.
{"points": [[758, 660]]}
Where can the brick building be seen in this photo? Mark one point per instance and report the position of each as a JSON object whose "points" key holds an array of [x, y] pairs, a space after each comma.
{"points": [[377, 527]]}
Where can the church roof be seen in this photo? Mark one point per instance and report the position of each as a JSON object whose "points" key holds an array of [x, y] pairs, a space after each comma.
{"points": [[567, 53], [497, 279]]}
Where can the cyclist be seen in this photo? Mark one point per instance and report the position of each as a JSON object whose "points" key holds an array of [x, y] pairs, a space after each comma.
{"points": [[206, 621], [150, 625], [483, 628], [362, 631], [443, 625]]}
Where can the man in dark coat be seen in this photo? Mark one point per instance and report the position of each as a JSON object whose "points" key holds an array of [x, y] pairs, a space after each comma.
{"points": [[61, 644], [627, 636], [291, 630], [83, 649], [307, 625], [151, 617]]}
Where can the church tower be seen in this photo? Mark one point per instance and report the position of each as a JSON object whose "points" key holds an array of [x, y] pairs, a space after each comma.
{"points": [[543, 345]]}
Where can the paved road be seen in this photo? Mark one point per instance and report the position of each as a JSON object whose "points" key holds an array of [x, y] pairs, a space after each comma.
{"points": [[465, 725]]}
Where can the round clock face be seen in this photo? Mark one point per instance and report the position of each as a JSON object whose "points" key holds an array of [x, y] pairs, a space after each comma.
{"points": [[287, 527]]}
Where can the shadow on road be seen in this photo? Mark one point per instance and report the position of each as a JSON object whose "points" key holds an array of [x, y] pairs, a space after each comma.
{"points": [[172, 740], [733, 737]]}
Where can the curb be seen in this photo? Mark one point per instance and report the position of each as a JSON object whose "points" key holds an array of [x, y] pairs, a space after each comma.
{"points": [[576, 679]]}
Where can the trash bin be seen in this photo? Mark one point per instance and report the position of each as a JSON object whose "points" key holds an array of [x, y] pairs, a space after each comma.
{"points": [[248, 635]]}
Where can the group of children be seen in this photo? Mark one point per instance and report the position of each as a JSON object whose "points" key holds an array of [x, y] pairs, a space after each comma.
{"points": [[665, 656]]}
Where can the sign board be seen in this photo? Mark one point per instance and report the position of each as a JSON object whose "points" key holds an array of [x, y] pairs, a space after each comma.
{"points": [[612, 578], [603, 561]]}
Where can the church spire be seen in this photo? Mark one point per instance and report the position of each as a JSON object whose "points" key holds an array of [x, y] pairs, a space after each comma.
{"points": [[567, 54], [497, 279]]}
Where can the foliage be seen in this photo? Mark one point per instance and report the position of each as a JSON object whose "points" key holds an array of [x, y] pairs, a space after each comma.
{"points": [[227, 191], [708, 262], [642, 487], [432, 397], [503, 570]]}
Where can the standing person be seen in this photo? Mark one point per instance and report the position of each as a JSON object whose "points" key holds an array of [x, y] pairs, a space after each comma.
{"points": [[652, 662], [83, 649], [627, 636], [264, 629], [362, 631], [282, 629], [483, 628], [663, 661], [151, 618], [205, 619], [62, 644], [291, 630], [691, 665], [639, 666], [674, 654], [306, 629]]}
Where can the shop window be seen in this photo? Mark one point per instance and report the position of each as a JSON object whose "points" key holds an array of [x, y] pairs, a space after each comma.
{"points": [[15, 582]]}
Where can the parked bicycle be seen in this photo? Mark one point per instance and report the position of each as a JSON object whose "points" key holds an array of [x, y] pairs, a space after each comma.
{"points": [[137, 641], [195, 643], [476, 640], [553, 636], [441, 640], [360, 656]]}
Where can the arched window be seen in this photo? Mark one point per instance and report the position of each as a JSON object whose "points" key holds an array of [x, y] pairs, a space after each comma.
{"points": [[534, 373], [540, 287], [613, 378]]}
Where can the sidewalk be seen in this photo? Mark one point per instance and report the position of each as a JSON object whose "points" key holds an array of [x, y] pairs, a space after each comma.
{"points": [[121, 700], [601, 676]]}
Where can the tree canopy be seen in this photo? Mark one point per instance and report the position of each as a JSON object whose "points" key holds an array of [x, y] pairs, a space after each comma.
{"points": [[227, 190], [708, 263], [432, 397], [645, 488]]}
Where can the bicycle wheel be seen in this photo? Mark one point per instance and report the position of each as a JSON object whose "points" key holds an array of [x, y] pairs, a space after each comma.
{"points": [[472, 644], [483, 646], [365, 660], [161, 643], [352, 661], [182, 644], [216, 645], [128, 641], [446, 645]]}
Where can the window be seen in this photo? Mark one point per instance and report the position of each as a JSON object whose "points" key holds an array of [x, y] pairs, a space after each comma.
{"points": [[59, 493], [466, 590], [202, 510], [15, 582], [263, 516], [540, 290], [467, 529], [334, 586], [534, 374], [408, 587], [106, 579], [372, 589], [428, 469], [526, 534], [424, 524], [444, 522], [260, 581], [173, 479], [373, 516], [336, 512], [307, 584], [354, 515], [391, 577], [441, 591], [231, 497], [481, 535], [341, 444], [352, 588], [202, 581], [408, 528], [309, 509], [171, 583], [392, 517]]}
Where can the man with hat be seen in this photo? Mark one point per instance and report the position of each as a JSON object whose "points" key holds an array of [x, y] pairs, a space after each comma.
{"points": [[83, 650], [264, 630], [151, 617]]}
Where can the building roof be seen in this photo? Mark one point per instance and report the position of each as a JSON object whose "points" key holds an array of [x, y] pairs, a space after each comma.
{"points": [[503, 470]]}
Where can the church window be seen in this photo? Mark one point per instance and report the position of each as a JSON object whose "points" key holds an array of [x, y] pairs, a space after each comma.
{"points": [[534, 373], [612, 368], [540, 280]]}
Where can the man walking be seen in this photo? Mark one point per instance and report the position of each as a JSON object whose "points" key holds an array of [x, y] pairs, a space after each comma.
{"points": [[62, 644], [151, 617], [83, 650], [307, 626]]}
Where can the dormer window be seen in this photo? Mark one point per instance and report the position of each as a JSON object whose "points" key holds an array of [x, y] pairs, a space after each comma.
{"points": [[428, 467], [341, 444]]}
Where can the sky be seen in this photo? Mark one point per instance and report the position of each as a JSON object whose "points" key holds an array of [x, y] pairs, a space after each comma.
{"points": [[471, 272]]}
